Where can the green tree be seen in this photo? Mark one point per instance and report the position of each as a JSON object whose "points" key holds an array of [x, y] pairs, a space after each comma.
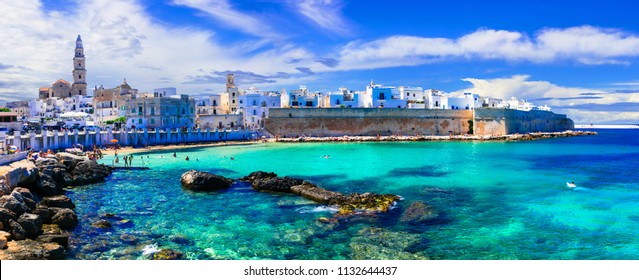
{"points": [[5, 109]]}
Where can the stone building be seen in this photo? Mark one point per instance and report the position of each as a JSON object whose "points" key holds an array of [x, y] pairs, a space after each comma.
{"points": [[157, 111], [110, 104]]}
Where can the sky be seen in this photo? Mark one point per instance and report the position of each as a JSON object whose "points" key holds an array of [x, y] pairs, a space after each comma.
{"points": [[579, 57]]}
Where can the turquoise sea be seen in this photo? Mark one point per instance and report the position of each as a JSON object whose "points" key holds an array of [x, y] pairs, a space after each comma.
{"points": [[495, 200]]}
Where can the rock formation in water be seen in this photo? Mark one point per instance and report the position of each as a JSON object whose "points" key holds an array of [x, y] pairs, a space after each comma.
{"points": [[204, 181]]}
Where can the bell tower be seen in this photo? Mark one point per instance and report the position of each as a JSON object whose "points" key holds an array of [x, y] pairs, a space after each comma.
{"points": [[79, 71]]}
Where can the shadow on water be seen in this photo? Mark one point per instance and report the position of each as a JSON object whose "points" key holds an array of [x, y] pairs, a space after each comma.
{"points": [[422, 171]]}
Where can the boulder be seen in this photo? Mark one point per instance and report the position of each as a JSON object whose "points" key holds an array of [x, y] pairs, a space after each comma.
{"points": [[61, 239], [53, 233], [17, 232], [315, 193], [6, 215], [32, 250], [103, 224], [12, 203], [65, 218], [89, 172], [276, 184], [418, 212], [30, 203], [43, 212], [258, 175], [364, 202], [5, 234], [31, 223], [69, 160], [47, 186], [23, 172], [60, 201], [4, 189], [26, 193], [167, 254], [203, 181]]}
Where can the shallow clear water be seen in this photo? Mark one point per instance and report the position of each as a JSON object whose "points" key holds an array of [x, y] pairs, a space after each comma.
{"points": [[496, 200]]}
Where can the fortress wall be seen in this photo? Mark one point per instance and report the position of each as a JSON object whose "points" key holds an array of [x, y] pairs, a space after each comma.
{"points": [[366, 121], [393, 121], [490, 121]]}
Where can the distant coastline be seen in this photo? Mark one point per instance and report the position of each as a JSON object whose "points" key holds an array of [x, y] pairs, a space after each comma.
{"points": [[606, 126]]}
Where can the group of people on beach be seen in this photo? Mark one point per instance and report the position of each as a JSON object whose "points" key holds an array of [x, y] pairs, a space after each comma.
{"points": [[40, 154]]}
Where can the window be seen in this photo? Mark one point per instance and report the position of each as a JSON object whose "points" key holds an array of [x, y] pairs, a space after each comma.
{"points": [[140, 121], [214, 112], [254, 112], [152, 121], [214, 102], [382, 96], [79, 76], [309, 103], [337, 102], [234, 101], [254, 103], [436, 103]]}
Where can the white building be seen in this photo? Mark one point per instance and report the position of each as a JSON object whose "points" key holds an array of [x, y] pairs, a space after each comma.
{"points": [[165, 92], [466, 101], [385, 97], [254, 106], [414, 97], [435, 99]]}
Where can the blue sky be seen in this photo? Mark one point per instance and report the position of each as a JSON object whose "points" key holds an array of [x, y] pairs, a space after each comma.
{"points": [[579, 57]]}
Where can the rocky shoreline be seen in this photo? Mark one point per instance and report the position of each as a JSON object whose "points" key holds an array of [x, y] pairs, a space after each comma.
{"points": [[425, 138], [35, 216], [270, 182]]}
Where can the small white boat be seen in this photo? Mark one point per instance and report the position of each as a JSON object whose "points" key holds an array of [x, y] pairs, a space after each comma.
{"points": [[571, 185]]}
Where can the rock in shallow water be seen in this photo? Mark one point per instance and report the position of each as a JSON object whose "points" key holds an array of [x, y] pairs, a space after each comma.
{"points": [[103, 224], [204, 181], [418, 212], [167, 254], [65, 218]]}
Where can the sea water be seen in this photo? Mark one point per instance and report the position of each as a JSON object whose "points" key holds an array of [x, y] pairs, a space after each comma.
{"points": [[493, 200]]}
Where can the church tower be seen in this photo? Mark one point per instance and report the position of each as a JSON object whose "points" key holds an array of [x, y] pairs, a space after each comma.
{"points": [[230, 82], [79, 71]]}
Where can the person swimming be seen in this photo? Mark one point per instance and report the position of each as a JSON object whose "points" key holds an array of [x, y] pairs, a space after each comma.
{"points": [[187, 158], [571, 184]]}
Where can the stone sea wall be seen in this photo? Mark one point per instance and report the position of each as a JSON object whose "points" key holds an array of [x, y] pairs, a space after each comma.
{"points": [[323, 122], [489, 121], [366, 121]]}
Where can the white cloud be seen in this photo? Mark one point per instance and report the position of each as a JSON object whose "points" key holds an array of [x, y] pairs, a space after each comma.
{"points": [[582, 44], [327, 14], [598, 106], [222, 11], [37, 49]]}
